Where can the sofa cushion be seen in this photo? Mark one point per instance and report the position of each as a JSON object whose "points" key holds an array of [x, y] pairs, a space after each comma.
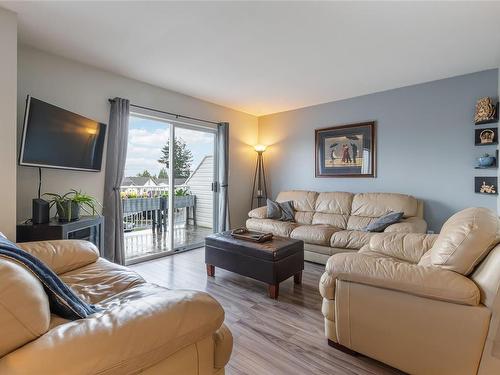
{"points": [[378, 204], [465, 239], [334, 203], [24, 307], [334, 220], [350, 239], [359, 222], [409, 247], [333, 209], [100, 280], [314, 234], [302, 200], [258, 213], [278, 228], [304, 217], [62, 255]]}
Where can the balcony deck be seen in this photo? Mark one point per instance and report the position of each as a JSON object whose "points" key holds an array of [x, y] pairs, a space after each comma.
{"points": [[146, 243]]}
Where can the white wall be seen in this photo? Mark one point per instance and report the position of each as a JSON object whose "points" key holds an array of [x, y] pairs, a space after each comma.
{"points": [[85, 90], [8, 98], [199, 185]]}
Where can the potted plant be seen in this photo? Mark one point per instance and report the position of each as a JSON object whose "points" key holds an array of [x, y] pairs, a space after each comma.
{"points": [[68, 205]]}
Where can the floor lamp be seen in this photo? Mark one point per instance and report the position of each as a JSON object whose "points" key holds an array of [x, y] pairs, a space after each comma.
{"points": [[259, 190]]}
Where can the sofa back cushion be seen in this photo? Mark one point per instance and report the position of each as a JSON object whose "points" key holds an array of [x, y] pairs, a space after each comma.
{"points": [[465, 239], [303, 203], [62, 256], [24, 307], [368, 207], [378, 204], [333, 209]]}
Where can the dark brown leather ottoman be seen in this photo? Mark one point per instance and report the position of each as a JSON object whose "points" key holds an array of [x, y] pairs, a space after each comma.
{"points": [[271, 262]]}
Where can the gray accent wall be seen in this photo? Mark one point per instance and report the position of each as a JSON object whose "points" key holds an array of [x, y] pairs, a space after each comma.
{"points": [[425, 143]]}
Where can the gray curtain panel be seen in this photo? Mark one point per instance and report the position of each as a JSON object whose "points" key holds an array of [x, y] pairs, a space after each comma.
{"points": [[223, 137], [115, 166]]}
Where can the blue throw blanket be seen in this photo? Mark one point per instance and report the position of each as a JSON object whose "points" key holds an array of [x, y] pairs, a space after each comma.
{"points": [[63, 301]]}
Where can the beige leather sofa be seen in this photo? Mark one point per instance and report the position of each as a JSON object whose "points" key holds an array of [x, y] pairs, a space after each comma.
{"points": [[331, 222], [143, 328], [425, 304]]}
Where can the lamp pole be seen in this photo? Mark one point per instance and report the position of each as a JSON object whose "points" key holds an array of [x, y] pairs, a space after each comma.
{"points": [[259, 189]]}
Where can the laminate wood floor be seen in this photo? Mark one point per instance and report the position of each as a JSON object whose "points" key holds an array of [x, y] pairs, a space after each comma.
{"points": [[270, 337]]}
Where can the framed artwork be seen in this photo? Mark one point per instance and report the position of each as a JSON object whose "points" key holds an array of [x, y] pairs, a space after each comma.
{"points": [[346, 151], [486, 137], [486, 185]]}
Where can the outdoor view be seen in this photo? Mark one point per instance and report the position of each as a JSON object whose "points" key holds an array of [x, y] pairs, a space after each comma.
{"points": [[144, 189]]}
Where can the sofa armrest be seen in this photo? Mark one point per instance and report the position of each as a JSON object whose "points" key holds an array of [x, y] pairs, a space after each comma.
{"points": [[127, 337], [409, 247], [258, 213], [409, 225], [62, 256], [223, 340], [387, 273]]}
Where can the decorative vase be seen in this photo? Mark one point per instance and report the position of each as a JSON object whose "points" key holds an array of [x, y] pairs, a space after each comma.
{"points": [[486, 161], [68, 211]]}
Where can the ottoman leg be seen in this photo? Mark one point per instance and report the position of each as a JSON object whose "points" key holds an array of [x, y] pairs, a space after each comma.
{"points": [[210, 270], [297, 278], [274, 290]]}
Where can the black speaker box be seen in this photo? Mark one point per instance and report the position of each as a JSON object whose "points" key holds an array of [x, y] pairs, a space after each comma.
{"points": [[40, 211]]}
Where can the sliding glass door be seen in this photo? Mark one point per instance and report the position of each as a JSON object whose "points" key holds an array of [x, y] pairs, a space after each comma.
{"points": [[195, 174], [167, 197]]}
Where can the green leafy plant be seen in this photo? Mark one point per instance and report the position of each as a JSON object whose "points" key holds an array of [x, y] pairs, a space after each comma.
{"points": [[181, 192], [68, 205]]}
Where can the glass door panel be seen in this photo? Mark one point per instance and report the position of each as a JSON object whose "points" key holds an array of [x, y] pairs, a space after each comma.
{"points": [[194, 170], [145, 189]]}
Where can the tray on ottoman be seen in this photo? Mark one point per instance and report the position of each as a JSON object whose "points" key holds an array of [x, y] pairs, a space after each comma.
{"points": [[271, 262]]}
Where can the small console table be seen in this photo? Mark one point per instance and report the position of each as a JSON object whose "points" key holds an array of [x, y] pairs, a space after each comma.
{"points": [[89, 228]]}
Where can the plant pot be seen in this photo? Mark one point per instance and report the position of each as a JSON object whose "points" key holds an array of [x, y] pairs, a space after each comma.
{"points": [[486, 161], [68, 211]]}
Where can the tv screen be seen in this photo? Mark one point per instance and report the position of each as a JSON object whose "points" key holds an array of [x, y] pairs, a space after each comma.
{"points": [[56, 138]]}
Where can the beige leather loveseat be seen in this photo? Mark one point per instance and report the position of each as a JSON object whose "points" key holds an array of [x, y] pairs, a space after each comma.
{"points": [[331, 222], [142, 328], [426, 304]]}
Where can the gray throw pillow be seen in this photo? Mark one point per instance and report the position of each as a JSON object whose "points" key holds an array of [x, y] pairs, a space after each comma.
{"points": [[280, 211], [383, 222]]}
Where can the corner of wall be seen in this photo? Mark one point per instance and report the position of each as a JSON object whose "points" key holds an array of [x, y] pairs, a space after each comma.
{"points": [[8, 122], [498, 147]]}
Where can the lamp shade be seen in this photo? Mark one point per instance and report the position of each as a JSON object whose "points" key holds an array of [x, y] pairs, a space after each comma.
{"points": [[260, 148]]}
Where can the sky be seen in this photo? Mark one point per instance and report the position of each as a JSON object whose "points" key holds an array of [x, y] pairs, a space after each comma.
{"points": [[147, 137]]}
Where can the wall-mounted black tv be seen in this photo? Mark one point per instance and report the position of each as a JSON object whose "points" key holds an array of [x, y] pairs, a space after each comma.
{"points": [[56, 138]]}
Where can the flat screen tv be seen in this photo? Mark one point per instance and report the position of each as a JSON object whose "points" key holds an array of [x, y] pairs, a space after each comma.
{"points": [[56, 138]]}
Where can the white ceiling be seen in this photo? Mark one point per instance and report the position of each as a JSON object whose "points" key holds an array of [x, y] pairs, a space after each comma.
{"points": [[265, 57]]}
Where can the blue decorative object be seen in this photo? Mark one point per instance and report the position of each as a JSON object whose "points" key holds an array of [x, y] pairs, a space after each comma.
{"points": [[486, 161]]}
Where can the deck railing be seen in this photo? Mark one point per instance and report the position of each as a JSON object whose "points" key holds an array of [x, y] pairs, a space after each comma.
{"points": [[142, 213]]}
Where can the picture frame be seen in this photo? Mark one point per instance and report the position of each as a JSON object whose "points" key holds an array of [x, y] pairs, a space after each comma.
{"points": [[346, 150], [486, 136], [486, 185]]}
